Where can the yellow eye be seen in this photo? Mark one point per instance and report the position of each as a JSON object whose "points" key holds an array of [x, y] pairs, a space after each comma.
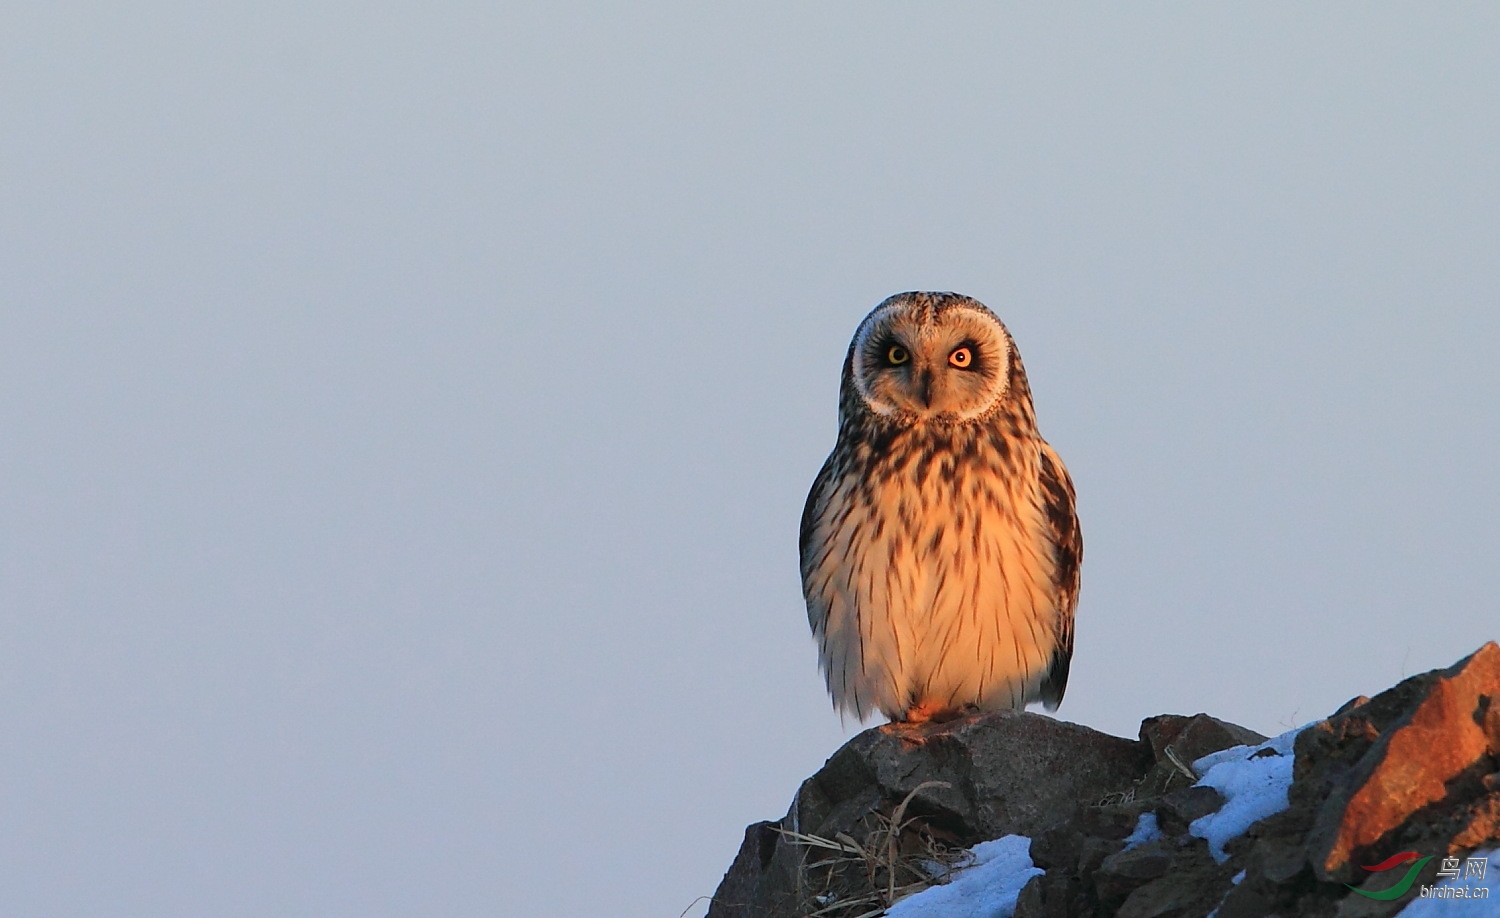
{"points": [[962, 358], [897, 355]]}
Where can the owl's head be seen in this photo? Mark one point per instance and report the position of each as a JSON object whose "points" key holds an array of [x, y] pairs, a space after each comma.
{"points": [[933, 356]]}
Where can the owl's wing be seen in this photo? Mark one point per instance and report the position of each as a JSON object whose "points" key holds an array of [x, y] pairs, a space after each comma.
{"points": [[1058, 502], [817, 499]]}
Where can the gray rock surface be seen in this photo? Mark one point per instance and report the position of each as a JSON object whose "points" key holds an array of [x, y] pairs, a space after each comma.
{"points": [[968, 780]]}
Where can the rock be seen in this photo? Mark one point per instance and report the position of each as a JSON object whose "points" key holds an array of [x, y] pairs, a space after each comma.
{"points": [[1192, 738], [1447, 735], [1053, 895], [1177, 741], [1178, 809], [1477, 823], [1122, 872], [968, 780], [1112, 820], [1193, 887], [1248, 900], [1029, 901], [1351, 704], [1059, 847], [737, 889], [1096, 851], [1278, 849]]}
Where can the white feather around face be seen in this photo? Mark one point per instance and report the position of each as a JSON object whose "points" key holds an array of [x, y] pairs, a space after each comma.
{"points": [[911, 361]]}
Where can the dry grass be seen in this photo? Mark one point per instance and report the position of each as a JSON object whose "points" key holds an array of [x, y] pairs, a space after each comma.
{"points": [[1180, 765], [844, 877]]}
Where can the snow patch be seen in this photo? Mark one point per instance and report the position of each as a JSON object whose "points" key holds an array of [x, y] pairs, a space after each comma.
{"points": [[986, 888], [1146, 830], [1254, 783]]}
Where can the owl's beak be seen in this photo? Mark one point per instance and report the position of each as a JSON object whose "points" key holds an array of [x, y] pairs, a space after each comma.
{"points": [[924, 388]]}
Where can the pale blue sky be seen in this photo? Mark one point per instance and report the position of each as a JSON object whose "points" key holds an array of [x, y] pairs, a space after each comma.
{"points": [[406, 409]]}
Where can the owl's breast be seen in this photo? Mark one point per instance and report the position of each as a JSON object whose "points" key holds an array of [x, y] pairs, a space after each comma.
{"points": [[936, 580]]}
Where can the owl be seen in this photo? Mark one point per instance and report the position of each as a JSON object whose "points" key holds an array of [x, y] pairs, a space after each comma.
{"points": [[940, 548]]}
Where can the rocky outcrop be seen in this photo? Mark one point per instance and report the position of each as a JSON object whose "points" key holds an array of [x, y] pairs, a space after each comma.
{"points": [[1153, 827]]}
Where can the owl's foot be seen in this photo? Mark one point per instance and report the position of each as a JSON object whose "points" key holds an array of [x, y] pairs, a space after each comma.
{"points": [[934, 712]]}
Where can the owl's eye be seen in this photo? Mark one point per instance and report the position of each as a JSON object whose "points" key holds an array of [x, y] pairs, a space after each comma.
{"points": [[963, 358], [897, 355]]}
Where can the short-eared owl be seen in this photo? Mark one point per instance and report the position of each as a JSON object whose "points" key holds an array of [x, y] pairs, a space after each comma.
{"points": [[940, 549]]}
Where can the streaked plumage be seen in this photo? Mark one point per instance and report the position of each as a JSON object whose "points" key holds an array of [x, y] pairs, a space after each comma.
{"points": [[940, 549]]}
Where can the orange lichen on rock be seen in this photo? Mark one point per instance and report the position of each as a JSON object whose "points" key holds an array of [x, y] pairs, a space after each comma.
{"points": [[1454, 728]]}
